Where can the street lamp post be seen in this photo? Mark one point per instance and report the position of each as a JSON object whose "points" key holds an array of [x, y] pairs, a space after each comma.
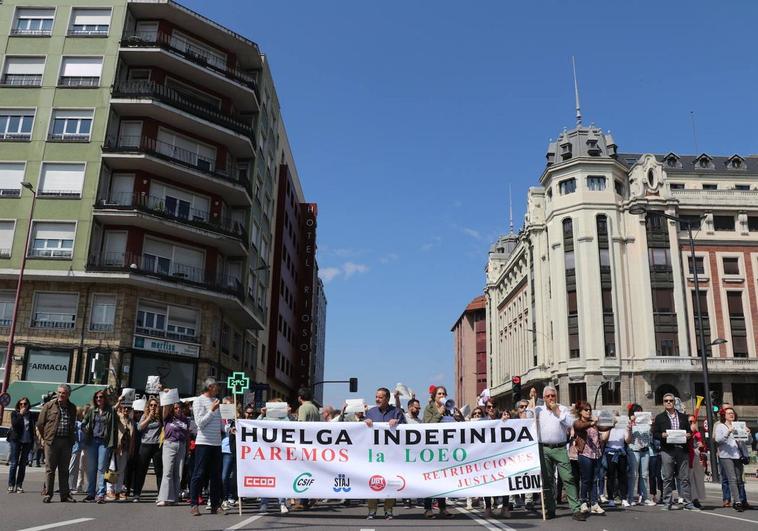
{"points": [[19, 284], [641, 210]]}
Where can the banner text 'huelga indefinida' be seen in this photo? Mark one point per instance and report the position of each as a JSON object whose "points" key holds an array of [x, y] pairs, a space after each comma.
{"points": [[351, 460]]}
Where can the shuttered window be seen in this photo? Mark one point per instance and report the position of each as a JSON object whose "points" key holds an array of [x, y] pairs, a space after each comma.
{"points": [[61, 179]]}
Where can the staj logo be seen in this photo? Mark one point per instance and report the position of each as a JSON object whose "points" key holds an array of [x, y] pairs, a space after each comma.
{"points": [[303, 482], [341, 483], [377, 483], [268, 482]]}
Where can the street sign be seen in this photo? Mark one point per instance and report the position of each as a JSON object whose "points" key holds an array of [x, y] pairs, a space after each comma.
{"points": [[5, 399], [237, 383]]}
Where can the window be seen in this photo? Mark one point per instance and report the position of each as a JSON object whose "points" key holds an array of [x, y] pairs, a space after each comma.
{"points": [[734, 302], [610, 345], [744, 394], [571, 302], [659, 258], [611, 394], [577, 392], [710, 187], [605, 258], [61, 179], [198, 50], [606, 295], [619, 187], [663, 300], [33, 21], [151, 320], [567, 187], [23, 71], [80, 71], [11, 176], [16, 124], [166, 259], [739, 346], [676, 186], [103, 314], [89, 22], [569, 261], [574, 350], [596, 183], [752, 223], [48, 365], [731, 265], [6, 307], [667, 344], [98, 363], [699, 264], [723, 223], [53, 239], [742, 187], [7, 228], [687, 221], [226, 339], [182, 323], [71, 125], [55, 310]]}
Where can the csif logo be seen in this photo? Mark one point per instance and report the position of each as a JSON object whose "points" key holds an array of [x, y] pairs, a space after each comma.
{"points": [[303, 482], [341, 483], [377, 483]]}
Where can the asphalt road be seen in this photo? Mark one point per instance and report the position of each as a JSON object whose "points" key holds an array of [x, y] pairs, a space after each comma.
{"points": [[27, 512]]}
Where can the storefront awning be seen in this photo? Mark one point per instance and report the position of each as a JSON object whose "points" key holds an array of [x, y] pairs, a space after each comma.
{"points": [[80, 393]]}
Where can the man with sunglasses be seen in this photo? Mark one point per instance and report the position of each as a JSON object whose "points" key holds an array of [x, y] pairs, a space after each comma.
{"points": [[674, 456], [554, 422], [55, 427]]}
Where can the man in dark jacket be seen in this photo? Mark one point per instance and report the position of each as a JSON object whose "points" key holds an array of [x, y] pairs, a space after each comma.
{"points": [[55, 427], [674, 456]]}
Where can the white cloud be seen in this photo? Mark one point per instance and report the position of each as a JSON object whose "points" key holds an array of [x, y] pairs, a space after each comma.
{"points": [[471, 232], [328, 274], [391, 257], [432, 244], [351, 268]]}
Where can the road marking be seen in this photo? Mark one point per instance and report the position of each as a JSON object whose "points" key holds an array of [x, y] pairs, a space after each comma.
{"points": [[243, 523], [492, 525], [57, 524], [730, 517]]}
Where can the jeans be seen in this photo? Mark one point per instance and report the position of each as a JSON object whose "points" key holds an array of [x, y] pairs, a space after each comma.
{"points": [[675, 464], [148, 452], [600, 473], [207, 465], [587, 471], [726, 490], [19, 458], [656, 480], [229, 476], [733, 469], [98, 459], [638, 474], [77, 467]]}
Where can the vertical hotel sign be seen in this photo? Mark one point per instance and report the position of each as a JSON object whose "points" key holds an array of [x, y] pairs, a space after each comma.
{"points": [[305, 285]]}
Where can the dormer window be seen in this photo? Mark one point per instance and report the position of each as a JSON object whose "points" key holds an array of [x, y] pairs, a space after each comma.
{"points": [[735, 162], [566, 150], [672, 161], [704, 162], [592, 148]]}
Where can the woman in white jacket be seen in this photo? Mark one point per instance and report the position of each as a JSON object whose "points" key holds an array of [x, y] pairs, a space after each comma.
{"points": [[731, 454]]}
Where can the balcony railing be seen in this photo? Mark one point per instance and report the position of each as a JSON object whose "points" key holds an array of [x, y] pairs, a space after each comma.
{"points": [[22, 80], [5, 253], [190, 216], [152, 39], [140, 88], [172, 272], [165, 334], [31, 33], [10, 192], [175, 154], [51, 253], [15, 136], [78, 81], [5, 322], [53, 320]]}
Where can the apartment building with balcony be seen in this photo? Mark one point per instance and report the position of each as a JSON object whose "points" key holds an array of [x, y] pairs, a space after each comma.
{"points": [[152, 138], [597, 300]]}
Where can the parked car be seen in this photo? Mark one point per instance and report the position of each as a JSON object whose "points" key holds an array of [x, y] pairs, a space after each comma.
{"points": [[5, 448]]}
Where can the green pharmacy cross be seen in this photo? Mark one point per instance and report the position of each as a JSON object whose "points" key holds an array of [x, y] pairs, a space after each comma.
{"points": [[238, 382]]}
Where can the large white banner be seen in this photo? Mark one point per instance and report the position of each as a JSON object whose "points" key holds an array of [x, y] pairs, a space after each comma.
{"points": [[350, 460]]}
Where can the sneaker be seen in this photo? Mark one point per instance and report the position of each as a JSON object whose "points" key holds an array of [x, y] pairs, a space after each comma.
{"points": [[370, 516], [100, 500], [611, 504], [691, 507], [111, 496], [161, 503], [696, 503], [283, 508], [225, 505], [603, 498], [580, 516], [596, 509], [89, 499], [135, 499], [11, 490], [680, 501], [68, 499], [195, 511], [737, 507], [469, 505], [47, 499], [584, 508], [649, 503], [388, 515], [726, 503], [625, 504]]}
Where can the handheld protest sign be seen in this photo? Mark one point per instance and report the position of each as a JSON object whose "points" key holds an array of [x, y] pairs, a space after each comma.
{"points": [[153, 385], [228, 411], [169, 396], [128, 396], [139, 405]]}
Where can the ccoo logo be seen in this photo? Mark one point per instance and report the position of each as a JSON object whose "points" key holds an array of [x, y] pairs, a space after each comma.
{"points": [[259, 481], [377, 483], [303, 482]]}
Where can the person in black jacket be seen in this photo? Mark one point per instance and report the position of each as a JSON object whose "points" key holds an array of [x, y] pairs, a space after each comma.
{"points": [[21, 440], [674, 456]]}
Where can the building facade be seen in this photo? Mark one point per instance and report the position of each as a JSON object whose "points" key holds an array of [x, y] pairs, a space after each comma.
{"points": [[597, 298], [151, 138], [470, 348]]}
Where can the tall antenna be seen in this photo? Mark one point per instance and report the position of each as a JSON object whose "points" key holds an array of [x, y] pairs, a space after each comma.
{"points": [[576, 94], [510, 209], [694, 132]]}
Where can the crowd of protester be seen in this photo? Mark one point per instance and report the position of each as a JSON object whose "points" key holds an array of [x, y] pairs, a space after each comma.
{"points": [[104, 451]]}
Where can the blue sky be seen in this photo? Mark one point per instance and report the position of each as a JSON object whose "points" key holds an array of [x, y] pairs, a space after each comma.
{"points": [[409, 120]]}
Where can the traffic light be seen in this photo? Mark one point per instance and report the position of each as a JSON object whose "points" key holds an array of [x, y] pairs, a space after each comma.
{"points": [[715, 401], [353, 385], [516, 383]]}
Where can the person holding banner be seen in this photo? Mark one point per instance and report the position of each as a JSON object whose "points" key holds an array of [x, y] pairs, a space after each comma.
{"points": [[555, 421], [589, 452], [638, 457], [383, 412], [207, 457], [733, 454], [436, 411]]}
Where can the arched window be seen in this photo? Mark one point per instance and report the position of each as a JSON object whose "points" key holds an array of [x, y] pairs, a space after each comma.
{"points": [[662, 390]]}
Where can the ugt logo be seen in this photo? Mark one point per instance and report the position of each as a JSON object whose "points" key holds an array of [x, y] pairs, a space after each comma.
{"points": [[303, 482], [341, 483], [377, 483]]}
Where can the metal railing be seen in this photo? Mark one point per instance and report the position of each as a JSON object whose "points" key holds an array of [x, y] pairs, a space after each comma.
{"points": [[165, 334], [22, 80], [15, 136], [79, 81], [51, 253], [31, 33], [59, 193], [165, 41], [10, 192], [170, 271], [190, 216], [68, 137], [53, 320], [172, 153], [182, 101]]}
